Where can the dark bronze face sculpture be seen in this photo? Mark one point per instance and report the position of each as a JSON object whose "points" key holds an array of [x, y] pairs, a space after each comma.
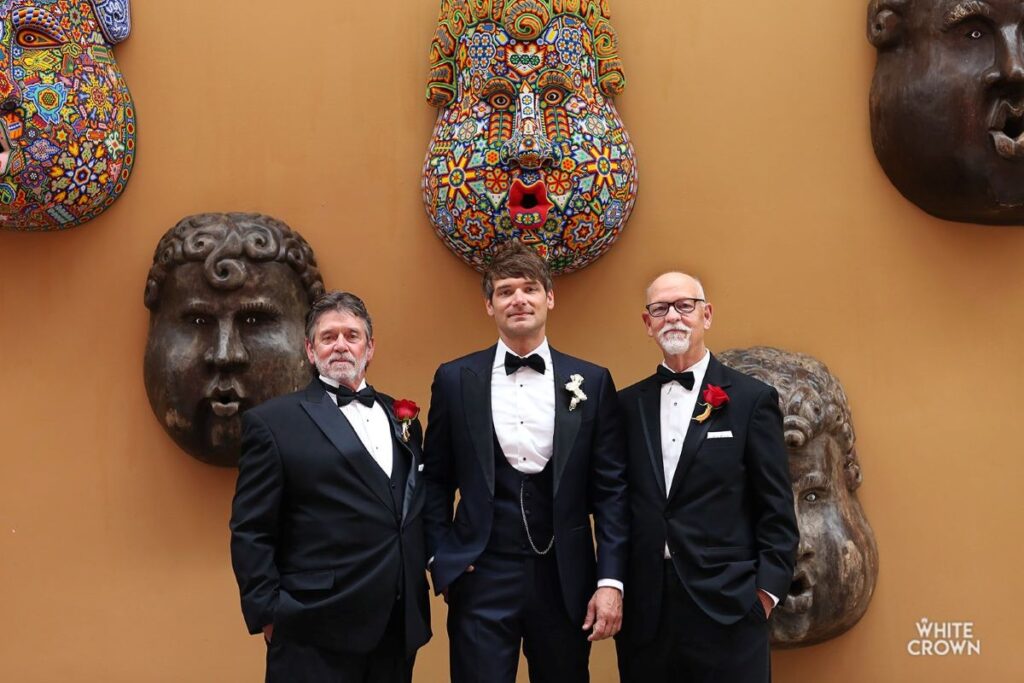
{"points": [[228, 295], [947, 105], [837, 560]]}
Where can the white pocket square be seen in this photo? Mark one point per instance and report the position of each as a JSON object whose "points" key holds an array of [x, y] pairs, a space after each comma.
{"points": [[720, 435], [419, 468]]}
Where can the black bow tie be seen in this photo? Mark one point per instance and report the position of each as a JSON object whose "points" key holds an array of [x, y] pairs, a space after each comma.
{"points": [[344, 395], [514, 362], [685, 378]]}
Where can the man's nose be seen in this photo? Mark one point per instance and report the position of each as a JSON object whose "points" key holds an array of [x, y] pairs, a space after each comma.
{"points": [[528, 147], [228, 350], [1009, 58], [673, 315]]}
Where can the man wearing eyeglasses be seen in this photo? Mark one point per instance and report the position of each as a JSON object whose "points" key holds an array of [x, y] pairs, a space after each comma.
{"points": [[714, 536]]}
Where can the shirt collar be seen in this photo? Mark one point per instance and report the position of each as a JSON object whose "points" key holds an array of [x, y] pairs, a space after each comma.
{"points": [[544, 351], [699, 368], [328, 380]]}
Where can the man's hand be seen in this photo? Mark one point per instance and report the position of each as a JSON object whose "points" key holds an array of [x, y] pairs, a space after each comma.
{"points": [[604, 613], [469, 570], [268, 633], [766, 602]]}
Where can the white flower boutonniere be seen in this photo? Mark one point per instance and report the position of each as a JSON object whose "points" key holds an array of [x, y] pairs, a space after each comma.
{"points": [[573, 387]]}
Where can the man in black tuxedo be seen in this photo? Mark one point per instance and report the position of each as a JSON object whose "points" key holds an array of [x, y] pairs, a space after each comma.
{"points": [[326, 530], [531, 440], [714, 534]]}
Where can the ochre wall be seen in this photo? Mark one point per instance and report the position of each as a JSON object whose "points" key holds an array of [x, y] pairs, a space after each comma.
{"points": [[756, 171]]}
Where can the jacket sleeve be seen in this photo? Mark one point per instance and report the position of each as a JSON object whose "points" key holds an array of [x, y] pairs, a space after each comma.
{"points": [[438, 464], [254, 523], [610, 505], [775, 527]]}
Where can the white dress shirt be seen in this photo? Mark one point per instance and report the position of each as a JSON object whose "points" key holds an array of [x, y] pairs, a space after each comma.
{"points": [[371, 425], [523, 412], [677, 404]]}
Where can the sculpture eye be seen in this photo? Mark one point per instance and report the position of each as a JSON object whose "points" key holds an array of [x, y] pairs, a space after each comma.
{"points": [[814, 496], [500, 100], [37, 37], [554, 95], [975, 34], [198, 320]]}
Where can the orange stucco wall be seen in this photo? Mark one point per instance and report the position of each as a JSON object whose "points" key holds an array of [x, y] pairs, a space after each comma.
{"points": [[756, 171]]}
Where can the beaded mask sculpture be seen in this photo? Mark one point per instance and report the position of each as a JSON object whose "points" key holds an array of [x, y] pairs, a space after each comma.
{"points": [[528, 144], [67, 122]]}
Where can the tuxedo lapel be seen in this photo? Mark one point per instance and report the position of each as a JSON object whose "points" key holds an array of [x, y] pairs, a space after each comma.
{"points": [[697, 431], [567, 422], [335, 427], [650, 421], [476, 401], [396, 433]]}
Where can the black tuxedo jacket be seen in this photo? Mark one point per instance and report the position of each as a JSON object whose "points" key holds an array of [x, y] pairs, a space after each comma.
{"points": [[728, 519], [317, 544], [588, 470]]}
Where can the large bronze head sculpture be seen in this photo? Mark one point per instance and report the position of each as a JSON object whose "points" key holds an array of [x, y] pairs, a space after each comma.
{"points": [[528, 144], [67, 122], [228, 295], [947, 105], [837, 560]]}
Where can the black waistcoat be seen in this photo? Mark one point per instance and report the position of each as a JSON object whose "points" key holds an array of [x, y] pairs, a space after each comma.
{"points": [[508, 535]]}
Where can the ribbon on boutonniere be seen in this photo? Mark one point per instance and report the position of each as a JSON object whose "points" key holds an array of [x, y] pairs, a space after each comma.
{"points": [[714, 398], [405, 412], [573, 386]]}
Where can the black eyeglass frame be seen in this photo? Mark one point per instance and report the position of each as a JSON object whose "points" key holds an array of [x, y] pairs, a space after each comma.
{"points": [[674, 304]]}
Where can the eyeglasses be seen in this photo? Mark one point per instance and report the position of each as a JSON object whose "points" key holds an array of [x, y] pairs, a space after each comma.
{"points": [[659, 309]]}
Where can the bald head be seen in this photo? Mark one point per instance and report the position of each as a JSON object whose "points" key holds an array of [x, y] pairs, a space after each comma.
{"points": [[674, 280]]}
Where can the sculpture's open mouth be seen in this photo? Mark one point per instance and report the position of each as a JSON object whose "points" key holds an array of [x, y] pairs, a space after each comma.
{"points": [[1006, 127], [801, 593], [225, 399], [528, 205]]}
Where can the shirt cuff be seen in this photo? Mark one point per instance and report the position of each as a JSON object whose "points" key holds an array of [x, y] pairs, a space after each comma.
{"points": [[613, 583], [775, 600]]}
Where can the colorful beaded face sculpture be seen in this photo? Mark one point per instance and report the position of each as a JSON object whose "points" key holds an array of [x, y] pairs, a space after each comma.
{"points": [[67, 122], [528, 144]]}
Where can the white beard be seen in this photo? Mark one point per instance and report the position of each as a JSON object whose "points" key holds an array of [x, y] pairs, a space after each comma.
{"points": [[674, 345], [343, 373]]}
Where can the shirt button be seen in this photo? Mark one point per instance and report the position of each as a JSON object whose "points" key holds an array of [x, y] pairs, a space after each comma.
{"points": [[520, 422], [673, 440]]}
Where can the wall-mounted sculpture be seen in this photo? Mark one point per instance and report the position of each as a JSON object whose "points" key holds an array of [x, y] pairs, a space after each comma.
{"points": [[67, 121], [947, 105], [228, 295], [528, 144], [837, 560]]}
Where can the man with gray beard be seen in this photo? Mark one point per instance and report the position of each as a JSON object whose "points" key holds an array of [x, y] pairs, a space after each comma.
{"points": [[714, 535], [326, 530]]}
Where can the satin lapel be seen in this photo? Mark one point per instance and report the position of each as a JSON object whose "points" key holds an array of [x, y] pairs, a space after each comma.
{"points": [[567, 422], [650, 420], [337, 429], [410, 483], [476, 401], [697, 431]]}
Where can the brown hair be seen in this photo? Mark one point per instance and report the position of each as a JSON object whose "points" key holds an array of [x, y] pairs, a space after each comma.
{"points": [[515, 259], [342, 302]]}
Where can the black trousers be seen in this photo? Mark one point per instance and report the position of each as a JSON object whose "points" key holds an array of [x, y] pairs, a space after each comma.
{"points": [[691, 647], [508, 600], [292, 662]]}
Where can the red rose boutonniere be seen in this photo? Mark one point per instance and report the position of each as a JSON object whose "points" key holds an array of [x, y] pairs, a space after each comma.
{"points": [[714, 398], [405, 412]]}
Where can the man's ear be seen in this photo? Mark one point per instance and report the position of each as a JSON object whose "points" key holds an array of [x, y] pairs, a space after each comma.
{"points": [[887, 22]]}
